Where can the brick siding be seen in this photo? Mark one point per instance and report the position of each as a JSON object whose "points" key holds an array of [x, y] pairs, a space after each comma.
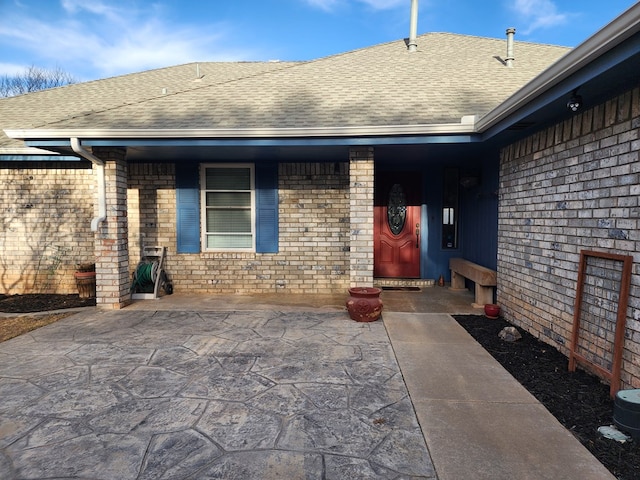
{"points": [[361, 216], [570, 187], [46, 226], [313, 255], [111, 245], [47, 213]]}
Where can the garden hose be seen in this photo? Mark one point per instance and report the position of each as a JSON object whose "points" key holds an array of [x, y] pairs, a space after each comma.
{"points": [[144, 277]]}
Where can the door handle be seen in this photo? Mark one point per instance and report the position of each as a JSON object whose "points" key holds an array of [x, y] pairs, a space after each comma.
{"points": [[417, 235]]}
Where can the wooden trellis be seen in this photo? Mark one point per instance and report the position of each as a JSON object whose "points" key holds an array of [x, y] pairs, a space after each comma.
{"points": [[600, 312]]}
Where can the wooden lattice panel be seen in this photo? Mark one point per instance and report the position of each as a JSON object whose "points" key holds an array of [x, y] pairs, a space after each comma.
{"points": [[600, 313]]}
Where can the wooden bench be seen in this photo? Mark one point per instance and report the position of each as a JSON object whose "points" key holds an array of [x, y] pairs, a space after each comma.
{"points": [[484, 278]]}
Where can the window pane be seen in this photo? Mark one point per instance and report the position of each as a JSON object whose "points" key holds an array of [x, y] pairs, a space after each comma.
{"points": [[229, 241], [228, 179], [229, 221], [450, 211], [228, 199]]}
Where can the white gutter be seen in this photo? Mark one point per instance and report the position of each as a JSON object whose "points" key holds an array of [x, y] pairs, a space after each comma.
{"points": [[608, 37], [466, 125], [102, 189]]}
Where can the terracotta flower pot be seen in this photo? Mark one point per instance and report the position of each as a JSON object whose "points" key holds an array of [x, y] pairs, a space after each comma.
{"points": [[364, 304], [491, 310], [86, 283]]}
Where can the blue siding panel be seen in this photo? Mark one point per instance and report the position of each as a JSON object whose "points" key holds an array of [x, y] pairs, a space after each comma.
{"points": [[479, 228], [267, 208], [188, 207]]}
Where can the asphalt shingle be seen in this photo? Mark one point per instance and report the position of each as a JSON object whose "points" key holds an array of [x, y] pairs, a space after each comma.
{"points": [[450, 76]]}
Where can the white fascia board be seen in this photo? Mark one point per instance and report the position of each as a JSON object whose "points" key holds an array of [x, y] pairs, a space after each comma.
{"points": [[610, 36], [465, 127]]}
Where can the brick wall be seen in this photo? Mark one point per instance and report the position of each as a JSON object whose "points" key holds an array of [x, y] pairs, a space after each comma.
{"points": [[361, 216], [313, 254], [46, 231], [111, 239], [151, 205], [45, 226], [570, 187]]}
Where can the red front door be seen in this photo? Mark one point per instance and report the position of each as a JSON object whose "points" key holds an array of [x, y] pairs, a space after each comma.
{"points": [[397, 225]]}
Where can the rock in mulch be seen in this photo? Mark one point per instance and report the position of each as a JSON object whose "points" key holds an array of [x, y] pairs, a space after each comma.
{"points": [[510, 334]]}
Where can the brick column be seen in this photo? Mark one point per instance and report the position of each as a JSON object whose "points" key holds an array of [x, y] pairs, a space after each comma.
{"points": [[361, 215], [111, 239]]}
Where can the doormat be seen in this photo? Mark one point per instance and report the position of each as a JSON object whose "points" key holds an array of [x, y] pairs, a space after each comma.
{"points": [[402, 289]]}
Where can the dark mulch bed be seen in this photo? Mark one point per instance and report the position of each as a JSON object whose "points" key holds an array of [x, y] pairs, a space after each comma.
{"points": [[578, 400], [36, 302]]}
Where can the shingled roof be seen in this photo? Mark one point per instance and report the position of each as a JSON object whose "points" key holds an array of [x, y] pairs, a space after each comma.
{"points": [[48, 108], [450, 76]]}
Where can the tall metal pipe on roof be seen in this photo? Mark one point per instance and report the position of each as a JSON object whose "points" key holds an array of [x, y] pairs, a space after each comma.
{"points": [[509, 60], [413, 27]]}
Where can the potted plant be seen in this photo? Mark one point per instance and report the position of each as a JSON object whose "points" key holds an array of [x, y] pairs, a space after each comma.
{"points": [[85, 276]]}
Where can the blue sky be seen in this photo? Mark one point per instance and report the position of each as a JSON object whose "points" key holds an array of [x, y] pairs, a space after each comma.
{"points": [[100, 38]]}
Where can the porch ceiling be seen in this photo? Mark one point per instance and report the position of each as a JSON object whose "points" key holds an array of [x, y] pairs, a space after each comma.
{"points": [[155, 148], [167, 152]]}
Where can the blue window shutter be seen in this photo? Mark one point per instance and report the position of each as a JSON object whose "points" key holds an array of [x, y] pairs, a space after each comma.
{"points": [[188, 207], [266, 208]]}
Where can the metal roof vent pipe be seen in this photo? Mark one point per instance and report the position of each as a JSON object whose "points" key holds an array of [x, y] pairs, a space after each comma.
{"points": [[510, 34], [413, 27]]}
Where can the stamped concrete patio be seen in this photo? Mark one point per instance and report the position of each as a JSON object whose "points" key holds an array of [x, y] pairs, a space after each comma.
{"points": [[183, 394], [195, 387]]}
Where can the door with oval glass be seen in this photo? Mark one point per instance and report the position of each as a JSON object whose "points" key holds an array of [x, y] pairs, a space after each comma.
{"points": [[397, 225]]}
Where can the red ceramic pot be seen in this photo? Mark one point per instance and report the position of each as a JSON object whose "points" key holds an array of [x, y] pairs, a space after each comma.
{"points": [[364, 304], [491, 310]]}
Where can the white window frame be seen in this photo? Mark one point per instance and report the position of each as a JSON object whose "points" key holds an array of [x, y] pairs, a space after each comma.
{"points": [[203, 206]]}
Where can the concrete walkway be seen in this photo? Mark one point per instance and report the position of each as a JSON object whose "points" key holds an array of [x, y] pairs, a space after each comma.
{"points": [[206, 387], [478, 421]]}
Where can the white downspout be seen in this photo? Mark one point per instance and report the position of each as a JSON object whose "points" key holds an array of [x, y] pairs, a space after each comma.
{"points": [[102, 189]]}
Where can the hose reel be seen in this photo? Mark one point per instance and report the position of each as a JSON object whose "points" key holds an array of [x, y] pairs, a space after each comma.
{"points": [[149, 275], [145, 276]]}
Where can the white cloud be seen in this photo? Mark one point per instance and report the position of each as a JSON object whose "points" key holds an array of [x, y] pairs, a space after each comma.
{"points": [[386, 4], [326, 5], [152, 45], [11, 69], [330, 5], [95, 7], [107, 39], [539, 14]]}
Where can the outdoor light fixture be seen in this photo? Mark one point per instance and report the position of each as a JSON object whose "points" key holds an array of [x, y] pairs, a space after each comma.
{"points": [[575, 101]]}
